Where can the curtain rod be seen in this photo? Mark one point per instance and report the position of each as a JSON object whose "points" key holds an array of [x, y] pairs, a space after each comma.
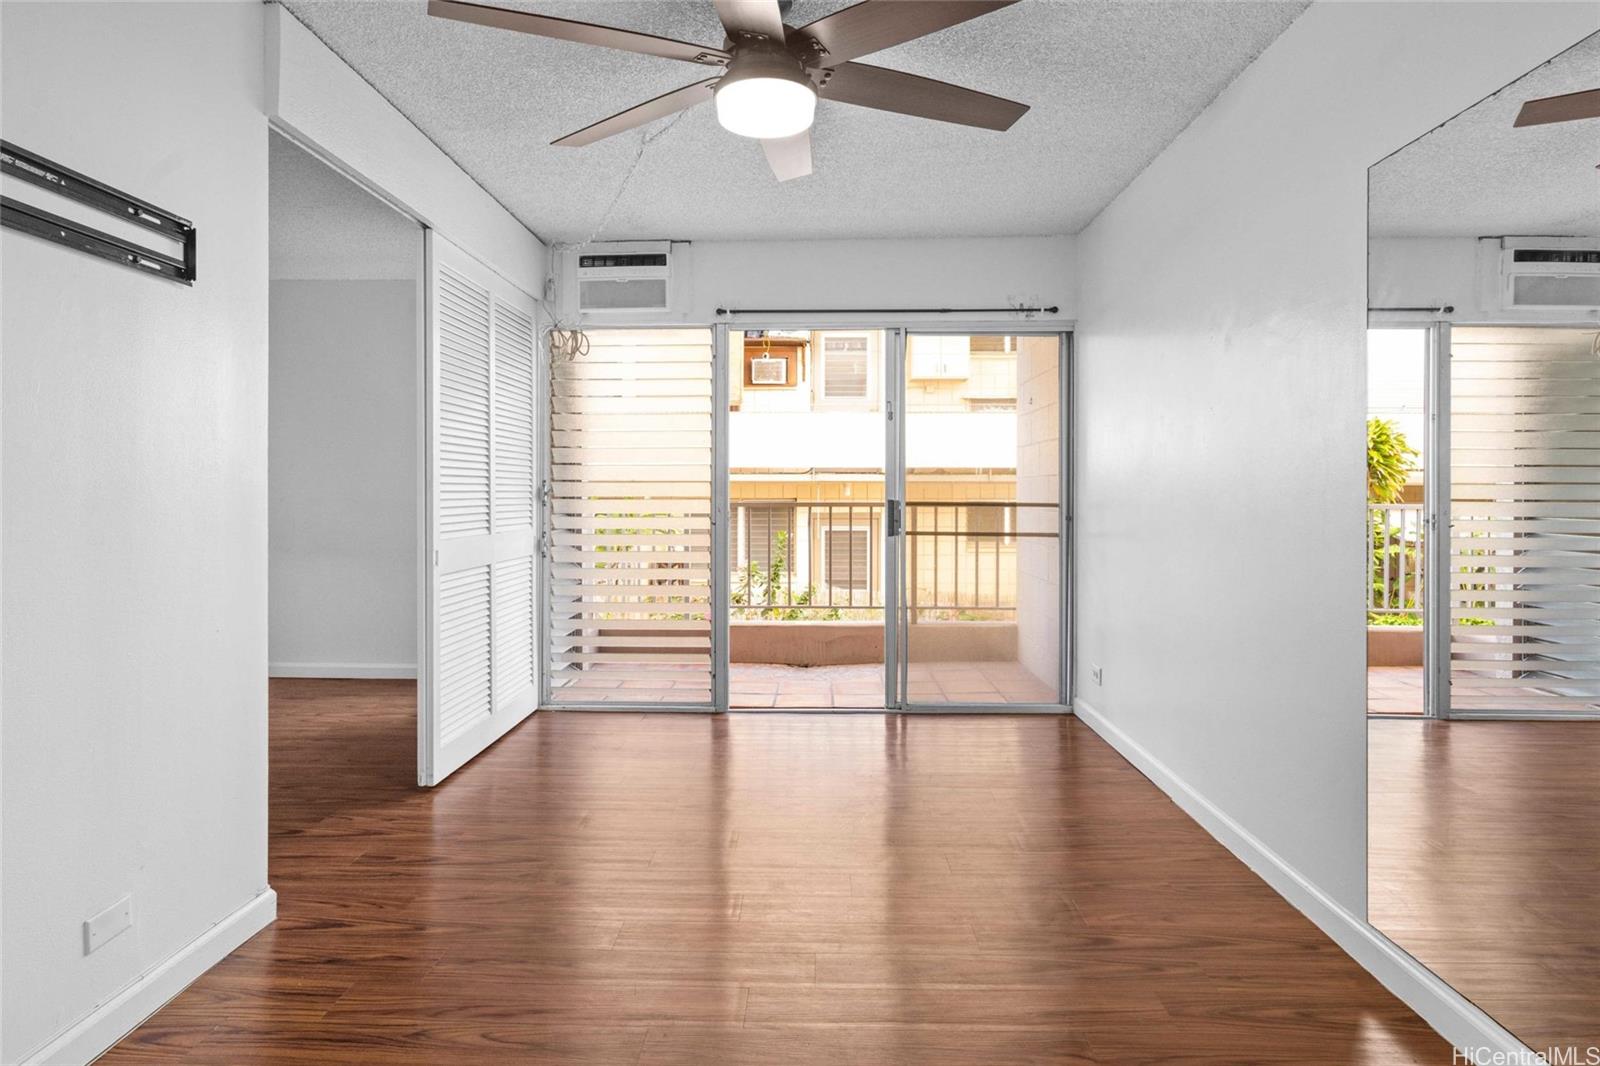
{"points": [[886, 310], [1445, 310]]}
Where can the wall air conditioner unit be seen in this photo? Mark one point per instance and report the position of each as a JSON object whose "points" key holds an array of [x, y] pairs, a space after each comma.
{"points": [[623, 276], [1541, 274]]}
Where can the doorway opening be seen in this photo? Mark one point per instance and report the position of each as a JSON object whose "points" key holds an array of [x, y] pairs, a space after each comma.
{"points": [[1397, 518], [344, 358]]}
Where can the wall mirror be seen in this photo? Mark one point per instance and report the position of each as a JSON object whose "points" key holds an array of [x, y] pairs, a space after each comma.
{"points": [[1483, 601]]}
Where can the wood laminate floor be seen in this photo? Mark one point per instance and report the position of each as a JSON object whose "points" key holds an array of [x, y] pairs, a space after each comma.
{"points": [[1485, 865], [870, 890]]}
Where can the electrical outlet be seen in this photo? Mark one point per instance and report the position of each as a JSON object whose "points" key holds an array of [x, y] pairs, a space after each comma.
{"points": [[115, 919], [1098, 674]]}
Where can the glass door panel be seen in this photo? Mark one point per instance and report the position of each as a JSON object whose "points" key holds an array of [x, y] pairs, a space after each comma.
{"points": [[807, 567], [983, 549]]}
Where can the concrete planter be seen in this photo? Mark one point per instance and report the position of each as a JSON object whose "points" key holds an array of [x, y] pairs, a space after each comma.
{"points": [[1394, 645], [846, 643]]}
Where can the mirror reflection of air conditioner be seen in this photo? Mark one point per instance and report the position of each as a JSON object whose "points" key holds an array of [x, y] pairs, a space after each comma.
{"points": [[1534, 274]]}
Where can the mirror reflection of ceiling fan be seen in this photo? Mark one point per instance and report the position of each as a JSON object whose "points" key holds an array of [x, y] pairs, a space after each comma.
{"points": [[772, 74], [1568, 107], [1565, 108]]}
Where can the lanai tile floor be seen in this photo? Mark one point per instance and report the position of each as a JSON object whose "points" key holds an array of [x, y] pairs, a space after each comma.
{"points": [[762, 686], [757, 686], [1394, 690]]}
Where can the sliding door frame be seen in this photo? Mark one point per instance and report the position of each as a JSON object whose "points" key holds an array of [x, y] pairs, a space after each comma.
{"points": [[719, 577], [1435, 509], [900, 628], [892, 377]]}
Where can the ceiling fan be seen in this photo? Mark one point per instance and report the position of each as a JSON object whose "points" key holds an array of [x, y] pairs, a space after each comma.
{"points": [[772, 74]]}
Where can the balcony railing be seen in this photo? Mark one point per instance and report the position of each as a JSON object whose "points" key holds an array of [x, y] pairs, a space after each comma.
{"points": [[794, 560], [1394, 543]]}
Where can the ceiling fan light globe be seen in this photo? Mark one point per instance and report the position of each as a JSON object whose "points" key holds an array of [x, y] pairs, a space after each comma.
{"points": [[766, 108]]}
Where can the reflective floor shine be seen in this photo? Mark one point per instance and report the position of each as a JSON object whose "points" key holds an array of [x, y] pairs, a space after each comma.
{"points": [[1485, 865], [763, 888]]}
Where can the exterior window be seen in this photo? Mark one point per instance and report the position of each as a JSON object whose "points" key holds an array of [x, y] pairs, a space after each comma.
{"points": [[846, 370], [759, 532], [849, 560]]}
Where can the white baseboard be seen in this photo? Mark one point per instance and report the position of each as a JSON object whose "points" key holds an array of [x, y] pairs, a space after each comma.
{"points": [[92, 1035], [346, 670], [1450, 1013]]}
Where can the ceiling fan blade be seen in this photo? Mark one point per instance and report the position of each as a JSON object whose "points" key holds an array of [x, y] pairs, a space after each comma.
{"points": [[1565, 108], [789, 157], [873, 25], [581, 32], [751, 16], [909, 94], [636, 116]]}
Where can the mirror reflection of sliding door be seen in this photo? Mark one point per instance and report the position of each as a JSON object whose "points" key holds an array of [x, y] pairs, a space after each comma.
{"points": [[1524, 523], [983, 553]]}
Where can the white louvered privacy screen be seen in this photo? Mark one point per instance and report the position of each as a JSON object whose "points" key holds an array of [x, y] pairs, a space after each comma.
{"points": [[1524, 581], [630, 518], [478, 678]]}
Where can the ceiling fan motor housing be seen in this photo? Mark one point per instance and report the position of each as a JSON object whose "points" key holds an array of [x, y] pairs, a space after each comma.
{"points": [[766, 92], [760, 57]]}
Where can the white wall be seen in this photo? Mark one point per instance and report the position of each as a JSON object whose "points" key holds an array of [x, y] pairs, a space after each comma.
{"points": [[345, 345], [1424, 272], [134, 600], [343, 479], [1220, 412], [1444, 272], [953, 272]]}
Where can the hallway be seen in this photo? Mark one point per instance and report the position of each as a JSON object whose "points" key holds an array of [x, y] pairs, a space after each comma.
{"points": [[636, 888]]}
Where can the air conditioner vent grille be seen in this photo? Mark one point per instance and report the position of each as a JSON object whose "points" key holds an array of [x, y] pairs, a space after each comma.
{"points": [[641, 259], [1555, 255]]}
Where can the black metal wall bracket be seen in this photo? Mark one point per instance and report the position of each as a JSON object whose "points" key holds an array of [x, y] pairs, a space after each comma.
{"points": [[28, 218]]}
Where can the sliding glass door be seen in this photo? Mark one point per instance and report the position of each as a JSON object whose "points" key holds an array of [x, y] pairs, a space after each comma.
{"points": [[982, 548], [807, 518]]}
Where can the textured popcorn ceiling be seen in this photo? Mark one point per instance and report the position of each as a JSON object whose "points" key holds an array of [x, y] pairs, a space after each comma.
{"points": [[1478, 176], [1110, 83]]}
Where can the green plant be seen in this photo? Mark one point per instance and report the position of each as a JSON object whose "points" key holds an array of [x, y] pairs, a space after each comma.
{"points": [[759, 591], [1390, 461]]}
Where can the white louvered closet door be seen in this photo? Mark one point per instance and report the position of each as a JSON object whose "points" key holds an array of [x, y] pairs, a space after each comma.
{"points": [[479, 676]]}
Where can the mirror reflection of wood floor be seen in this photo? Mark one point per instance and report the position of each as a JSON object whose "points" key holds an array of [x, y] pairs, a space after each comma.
{"points": [[1485, 865], [757, 889]]}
